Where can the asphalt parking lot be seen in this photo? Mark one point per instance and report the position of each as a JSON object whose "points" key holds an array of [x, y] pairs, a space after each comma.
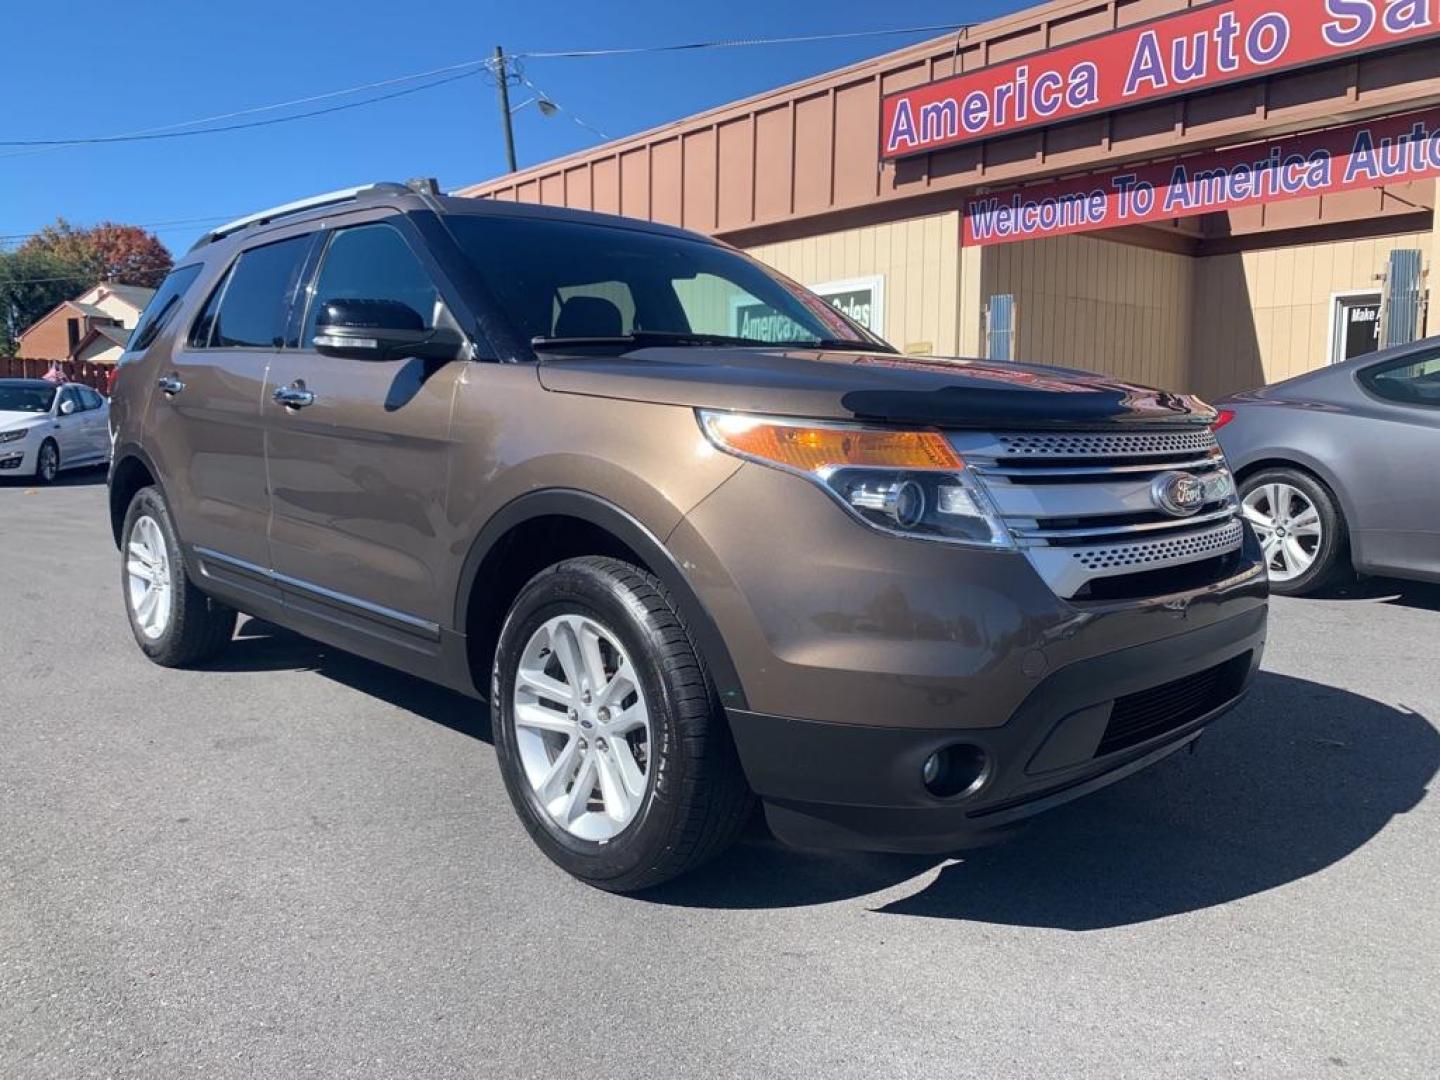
{"points": [[300, 864]]}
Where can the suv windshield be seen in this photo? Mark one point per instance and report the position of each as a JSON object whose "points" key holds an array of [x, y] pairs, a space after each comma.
{"points": [[575, 281], [30, 399]]}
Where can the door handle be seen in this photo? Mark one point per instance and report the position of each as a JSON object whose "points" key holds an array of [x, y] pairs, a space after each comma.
{"points": [[295, 396], [171, 384]]}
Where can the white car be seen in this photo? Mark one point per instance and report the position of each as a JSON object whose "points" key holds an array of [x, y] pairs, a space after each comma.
{"points": [[46, 427]]}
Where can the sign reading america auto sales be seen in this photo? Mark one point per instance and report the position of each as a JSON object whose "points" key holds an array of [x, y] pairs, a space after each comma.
{"points": [[1204, 46], [1390, 151]]}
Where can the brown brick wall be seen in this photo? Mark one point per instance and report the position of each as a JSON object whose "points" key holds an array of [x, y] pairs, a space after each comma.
{"points": [[48, 337]]}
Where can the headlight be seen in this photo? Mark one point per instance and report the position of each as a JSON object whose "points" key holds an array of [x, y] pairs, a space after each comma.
{"points": [[907, 482], [13, 436]]}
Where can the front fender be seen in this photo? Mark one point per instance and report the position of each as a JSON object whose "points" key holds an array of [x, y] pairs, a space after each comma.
{"points": [[564, 502]]}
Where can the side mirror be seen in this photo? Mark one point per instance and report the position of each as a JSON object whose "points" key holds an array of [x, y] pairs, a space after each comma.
{"points": [[380, 330], [67, 406]]}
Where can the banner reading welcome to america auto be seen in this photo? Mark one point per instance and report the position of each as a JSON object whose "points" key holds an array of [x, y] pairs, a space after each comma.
{"points": [[1394, 150], [1201, 47]]}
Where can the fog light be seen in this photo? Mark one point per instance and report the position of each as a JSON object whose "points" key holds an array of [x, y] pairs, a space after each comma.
{"points": [[931, 770], [956, 770]]}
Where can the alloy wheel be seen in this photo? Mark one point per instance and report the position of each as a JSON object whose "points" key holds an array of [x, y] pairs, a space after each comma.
{"points": [[1289, 528], [582, 727], [49, 464], [147, 570]]}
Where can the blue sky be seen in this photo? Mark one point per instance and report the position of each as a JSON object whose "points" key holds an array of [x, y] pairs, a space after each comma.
{"points": [[95, 69]]}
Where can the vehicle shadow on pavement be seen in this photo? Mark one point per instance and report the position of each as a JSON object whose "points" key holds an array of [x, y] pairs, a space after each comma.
{"points": [[1422, 595], [263, 646], [1293, 781], [87, 477]]}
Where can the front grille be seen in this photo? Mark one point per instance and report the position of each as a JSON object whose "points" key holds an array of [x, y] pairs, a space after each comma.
{"points": [[1146, 554], [1139, 717], [1097, 444], [1082, 505]]}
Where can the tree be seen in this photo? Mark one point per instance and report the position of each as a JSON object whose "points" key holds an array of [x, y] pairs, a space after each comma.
{"points": [[108, 251], [31, 283]]}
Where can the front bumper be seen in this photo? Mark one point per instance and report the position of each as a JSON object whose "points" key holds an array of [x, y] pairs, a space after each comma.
{"points": [[858, 655], [16, 459], [848, 786]]}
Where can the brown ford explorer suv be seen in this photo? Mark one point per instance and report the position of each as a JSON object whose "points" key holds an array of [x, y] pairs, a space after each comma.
{"points": [[694, 535]]}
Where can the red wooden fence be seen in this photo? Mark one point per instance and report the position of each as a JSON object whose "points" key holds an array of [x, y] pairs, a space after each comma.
{"points": [[94, 375]]}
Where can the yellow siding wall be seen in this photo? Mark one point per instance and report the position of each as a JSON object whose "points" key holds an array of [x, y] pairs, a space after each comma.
{"points": [[1098, 305], [919, 260], [1210, 325], [1263, 316]]}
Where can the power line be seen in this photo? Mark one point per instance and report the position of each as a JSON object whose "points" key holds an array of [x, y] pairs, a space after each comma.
{"points": [[453, 72], [543, 96], [309, 100], [154, 226], [157, 135], [78, 276], [740, 43]]}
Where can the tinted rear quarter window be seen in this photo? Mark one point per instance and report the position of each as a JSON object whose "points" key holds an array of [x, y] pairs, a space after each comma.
{"points": [[254, 301], [162, 306], [1415, 381]]}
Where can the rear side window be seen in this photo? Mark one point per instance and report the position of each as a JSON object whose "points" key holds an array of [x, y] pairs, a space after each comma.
{"points": [[250, 308], [163, 305], [1411, 382], [205, 322]]}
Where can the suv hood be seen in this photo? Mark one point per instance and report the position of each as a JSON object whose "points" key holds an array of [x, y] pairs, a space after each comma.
{"points": [[880, 386]]}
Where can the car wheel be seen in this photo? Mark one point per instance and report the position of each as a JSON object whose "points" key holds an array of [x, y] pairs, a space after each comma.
{"points": [[612, 744], [1300, 527], [47, 462], [174, 623]]}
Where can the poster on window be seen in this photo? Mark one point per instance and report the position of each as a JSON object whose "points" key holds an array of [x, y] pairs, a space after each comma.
{"points": [[861, 299]]}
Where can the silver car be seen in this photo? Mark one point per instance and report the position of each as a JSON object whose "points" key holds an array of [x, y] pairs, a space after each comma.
{"points": [[1339, 470], [45, 428]]}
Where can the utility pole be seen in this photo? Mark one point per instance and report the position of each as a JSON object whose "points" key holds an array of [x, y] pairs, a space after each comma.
{"points": [[502, 82]]}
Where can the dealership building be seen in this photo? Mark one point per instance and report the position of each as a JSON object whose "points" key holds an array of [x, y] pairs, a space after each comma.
{"points": [[1204, 196]]}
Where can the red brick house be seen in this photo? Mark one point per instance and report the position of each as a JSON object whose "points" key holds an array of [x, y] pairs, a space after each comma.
{"points": [[92, 327]]}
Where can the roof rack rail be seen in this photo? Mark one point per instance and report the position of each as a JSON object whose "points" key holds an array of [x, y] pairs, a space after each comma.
{"points": [[329, 198]]}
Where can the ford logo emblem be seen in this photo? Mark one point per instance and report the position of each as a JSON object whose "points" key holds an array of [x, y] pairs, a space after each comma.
{"points": [[1178, 494]]}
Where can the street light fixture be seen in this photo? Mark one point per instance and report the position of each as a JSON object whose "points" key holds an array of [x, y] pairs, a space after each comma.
{"points": [[502, 84]]}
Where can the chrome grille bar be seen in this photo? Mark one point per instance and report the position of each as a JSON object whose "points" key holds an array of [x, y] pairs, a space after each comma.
{"points": [[1081, 504], [1228, 511], [1210, 461]]}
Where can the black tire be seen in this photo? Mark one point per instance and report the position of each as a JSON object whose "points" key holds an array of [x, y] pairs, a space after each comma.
{"points": [[1332, 562], [696, 800], [47, 462], [199, 628]]}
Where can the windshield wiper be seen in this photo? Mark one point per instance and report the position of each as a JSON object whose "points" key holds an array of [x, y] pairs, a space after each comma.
{"points": [[639, 337], [835, 343]]}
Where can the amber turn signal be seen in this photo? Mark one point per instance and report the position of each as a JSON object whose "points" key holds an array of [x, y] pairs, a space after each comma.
{"points": [[815, 448]]}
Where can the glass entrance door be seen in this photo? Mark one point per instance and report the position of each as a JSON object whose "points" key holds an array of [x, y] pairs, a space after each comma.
{"points": [[1356, 326]]}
